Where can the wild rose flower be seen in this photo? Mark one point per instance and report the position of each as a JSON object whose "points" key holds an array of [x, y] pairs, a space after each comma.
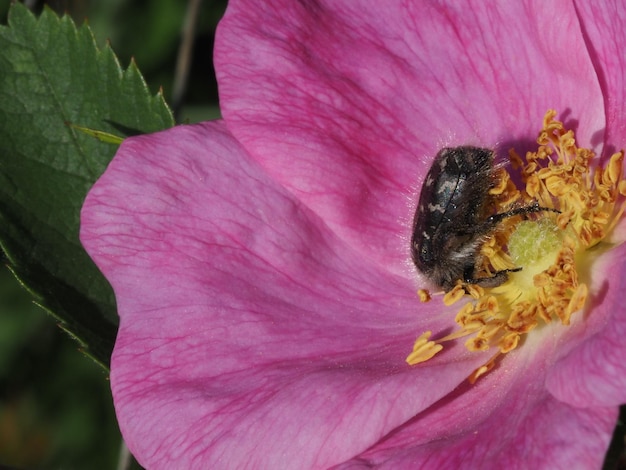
{"points": [[262, 268]]}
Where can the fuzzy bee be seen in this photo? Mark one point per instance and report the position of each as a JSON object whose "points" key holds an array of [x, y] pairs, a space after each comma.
{"points": [[452, 218]]}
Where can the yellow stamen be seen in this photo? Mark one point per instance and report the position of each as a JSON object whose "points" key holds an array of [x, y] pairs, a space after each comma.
{"points": [[423, 295], [454, 295], [548, 246], [423, 349]]}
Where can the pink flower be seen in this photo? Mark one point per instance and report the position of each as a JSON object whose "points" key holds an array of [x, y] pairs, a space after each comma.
{"points": [[261, 264]]}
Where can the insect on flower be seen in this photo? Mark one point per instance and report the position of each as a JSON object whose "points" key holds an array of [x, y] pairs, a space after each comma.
{"points": [[453, 218], [463, 231]]}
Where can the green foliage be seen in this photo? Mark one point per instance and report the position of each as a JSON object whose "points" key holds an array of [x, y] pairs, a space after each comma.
{"points": [[52, 75], [55, 405]]}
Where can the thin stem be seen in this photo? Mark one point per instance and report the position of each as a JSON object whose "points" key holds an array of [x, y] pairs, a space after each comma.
{"points": [[185, 50], [125, 459]]}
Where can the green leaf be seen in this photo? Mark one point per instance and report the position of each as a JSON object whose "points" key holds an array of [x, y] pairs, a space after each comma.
{"points": [[52, 74]]}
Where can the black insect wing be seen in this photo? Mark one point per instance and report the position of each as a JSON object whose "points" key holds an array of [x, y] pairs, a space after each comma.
{"points": [[453, 204]]}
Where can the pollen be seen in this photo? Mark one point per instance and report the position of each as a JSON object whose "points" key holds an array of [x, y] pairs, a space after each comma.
{"points": [[583, 199], [424, 295]]}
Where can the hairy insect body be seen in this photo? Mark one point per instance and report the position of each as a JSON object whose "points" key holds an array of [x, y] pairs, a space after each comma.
{"points": [[453, 218]]}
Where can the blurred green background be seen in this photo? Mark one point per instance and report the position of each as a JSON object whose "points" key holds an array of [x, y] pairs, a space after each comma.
{"points": [[56, 409]]}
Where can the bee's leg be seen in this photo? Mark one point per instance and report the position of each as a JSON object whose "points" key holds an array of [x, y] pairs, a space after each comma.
{"points": [[532, 208], [498, 278]]}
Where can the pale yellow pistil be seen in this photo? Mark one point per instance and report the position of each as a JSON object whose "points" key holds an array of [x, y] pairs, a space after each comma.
{"points": [[549, 246]]}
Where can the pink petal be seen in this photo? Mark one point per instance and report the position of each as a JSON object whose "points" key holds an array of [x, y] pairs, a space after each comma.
{"points": [[506, 420], [266, 295], [592, 371], [346, 103], [249, 331], [524, 432], [602, 24]]}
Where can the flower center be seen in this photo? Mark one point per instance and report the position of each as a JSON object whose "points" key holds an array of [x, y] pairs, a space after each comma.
{"points": [[535, 246], [583, 205]]}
